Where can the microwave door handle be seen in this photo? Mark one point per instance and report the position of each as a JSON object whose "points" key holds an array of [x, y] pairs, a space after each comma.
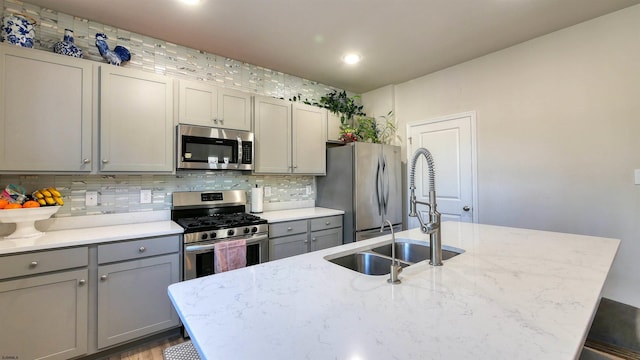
{"points": [[239, 151]]}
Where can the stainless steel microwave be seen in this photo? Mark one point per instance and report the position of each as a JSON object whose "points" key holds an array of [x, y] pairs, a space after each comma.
{"points": [[202, 147]]}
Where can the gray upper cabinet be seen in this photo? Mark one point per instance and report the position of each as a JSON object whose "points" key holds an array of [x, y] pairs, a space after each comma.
{"points": [[333, 126], [202, 104], [309, 139], [136, 121], [290, 138], [46, 111]]}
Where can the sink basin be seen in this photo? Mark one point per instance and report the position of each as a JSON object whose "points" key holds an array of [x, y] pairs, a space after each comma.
{"points": [[412, 252], [366, 263], [377, 260]]}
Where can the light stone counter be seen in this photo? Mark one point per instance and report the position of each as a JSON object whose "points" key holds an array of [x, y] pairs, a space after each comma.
{"points": [[89, 235], [298, 214], [513, 294]]}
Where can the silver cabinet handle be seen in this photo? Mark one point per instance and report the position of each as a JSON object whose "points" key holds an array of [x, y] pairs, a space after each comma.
{"points": [[313, 239], [221, 121], [82, 282], [466, 208], [215, 121], [33, 264], [306, 241], [104, 161], [86, 161], [327, 223], [103, 277], [142, 249], [289, 229]]}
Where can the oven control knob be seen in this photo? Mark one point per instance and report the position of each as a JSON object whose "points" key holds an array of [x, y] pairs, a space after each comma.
{"points": [[254, 229], [245, 230], [230, 232], [213, 235], [204, 236]]}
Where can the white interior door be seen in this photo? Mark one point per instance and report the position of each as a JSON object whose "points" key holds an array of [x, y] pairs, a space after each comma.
{"points": [[451, 141]]}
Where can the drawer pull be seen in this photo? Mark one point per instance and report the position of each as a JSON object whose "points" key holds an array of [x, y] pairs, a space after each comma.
{"points": [[81, 282], [103, 277], [142, 249], [327, 223], [313, 239], [33, 264], [289, 229]]}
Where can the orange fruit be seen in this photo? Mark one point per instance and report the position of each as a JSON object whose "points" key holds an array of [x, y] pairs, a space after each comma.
{"points": [[3, 203], [30, 204], [13, 206]]}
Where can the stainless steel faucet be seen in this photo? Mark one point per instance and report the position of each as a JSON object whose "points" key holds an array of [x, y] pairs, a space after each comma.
{"points": [[396, 269], [433, 226]]}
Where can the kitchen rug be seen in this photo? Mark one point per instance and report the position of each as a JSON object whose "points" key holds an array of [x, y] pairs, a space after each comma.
{"points": [[184, 351]]}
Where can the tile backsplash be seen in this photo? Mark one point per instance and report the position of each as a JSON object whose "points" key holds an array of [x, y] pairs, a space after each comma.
{"points": [[161, 57], [121, 193]]}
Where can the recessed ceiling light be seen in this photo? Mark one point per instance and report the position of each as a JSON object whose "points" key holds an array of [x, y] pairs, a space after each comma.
{"points": [[351, 59], [191, 2]]}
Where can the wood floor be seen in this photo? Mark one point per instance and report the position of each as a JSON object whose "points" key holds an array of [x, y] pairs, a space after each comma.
{"points": [[148, 351]]}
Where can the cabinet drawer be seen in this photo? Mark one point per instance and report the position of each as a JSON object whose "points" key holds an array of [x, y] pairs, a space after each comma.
{"points": [[135, 249], [43, 261], [287, 228], [326, 223]]}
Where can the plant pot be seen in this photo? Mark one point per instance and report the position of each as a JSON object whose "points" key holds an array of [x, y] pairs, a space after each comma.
{"points": [[18, 30]]}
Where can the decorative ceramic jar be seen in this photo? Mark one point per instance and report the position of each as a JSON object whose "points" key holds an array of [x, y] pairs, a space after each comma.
{"points": [[66, 46], [18, 30]]}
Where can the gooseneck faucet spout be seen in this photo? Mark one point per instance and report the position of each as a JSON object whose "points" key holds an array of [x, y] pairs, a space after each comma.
{"points": [[433, 226], [396, 269]]}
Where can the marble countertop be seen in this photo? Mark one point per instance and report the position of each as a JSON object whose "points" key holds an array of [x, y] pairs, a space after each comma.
{"points": [[298, 214], [513, 294], [89, 235]]}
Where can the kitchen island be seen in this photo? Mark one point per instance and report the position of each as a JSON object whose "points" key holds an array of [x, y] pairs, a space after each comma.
{"points": [[513, 294]]}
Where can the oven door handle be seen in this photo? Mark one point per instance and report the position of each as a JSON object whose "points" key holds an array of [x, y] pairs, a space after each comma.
{"points": [[199, 248]]}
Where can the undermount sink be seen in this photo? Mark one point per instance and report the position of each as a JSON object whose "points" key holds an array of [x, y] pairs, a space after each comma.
{"points": [[377, 260]]}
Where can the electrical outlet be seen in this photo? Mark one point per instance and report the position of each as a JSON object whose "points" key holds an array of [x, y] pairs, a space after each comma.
{"points": [[91, 198], [267, 191], [636, 174], [145, 196]]}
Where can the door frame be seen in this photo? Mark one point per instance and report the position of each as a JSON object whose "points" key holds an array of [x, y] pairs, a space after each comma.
{"points": [[474, 153]]}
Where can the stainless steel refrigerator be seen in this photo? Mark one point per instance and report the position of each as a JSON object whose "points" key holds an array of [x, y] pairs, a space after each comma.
{"points": [[364, 180]]}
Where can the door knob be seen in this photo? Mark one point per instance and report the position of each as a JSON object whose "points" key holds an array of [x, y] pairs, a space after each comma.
{"points": [[466, 208]]}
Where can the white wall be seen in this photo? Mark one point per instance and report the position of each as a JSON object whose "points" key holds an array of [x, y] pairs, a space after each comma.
{"points": [[558, 133]]}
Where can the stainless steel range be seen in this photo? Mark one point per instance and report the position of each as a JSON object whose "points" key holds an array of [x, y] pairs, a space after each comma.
{"points": [[213, 216]]}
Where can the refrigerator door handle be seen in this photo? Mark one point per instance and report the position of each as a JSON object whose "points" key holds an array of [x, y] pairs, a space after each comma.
{"points": [[385, 185], [379, 186]]}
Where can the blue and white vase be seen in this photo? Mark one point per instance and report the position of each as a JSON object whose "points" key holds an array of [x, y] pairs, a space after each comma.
{"points": [[66, 46], [18, 30]]}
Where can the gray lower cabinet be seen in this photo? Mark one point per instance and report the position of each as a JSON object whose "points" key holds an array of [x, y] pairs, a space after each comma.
{"points": [[301, 236], [43, 305], [133, 277]]}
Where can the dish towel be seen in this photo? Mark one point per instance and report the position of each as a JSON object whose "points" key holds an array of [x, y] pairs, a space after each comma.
{"points": [[229, 255]]}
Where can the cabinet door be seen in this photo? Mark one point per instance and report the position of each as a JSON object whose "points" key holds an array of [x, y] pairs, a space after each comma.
{"points": [[326, 238], [45, 117], [198, 103], [309, 139], [272, 129], [136, 123], [333, 126], [133, 299], [45, 316], [282, 247], [234, 109]]}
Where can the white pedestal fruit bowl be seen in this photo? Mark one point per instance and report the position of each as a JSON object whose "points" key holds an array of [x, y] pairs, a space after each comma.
{"points": [[25, 220]]}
